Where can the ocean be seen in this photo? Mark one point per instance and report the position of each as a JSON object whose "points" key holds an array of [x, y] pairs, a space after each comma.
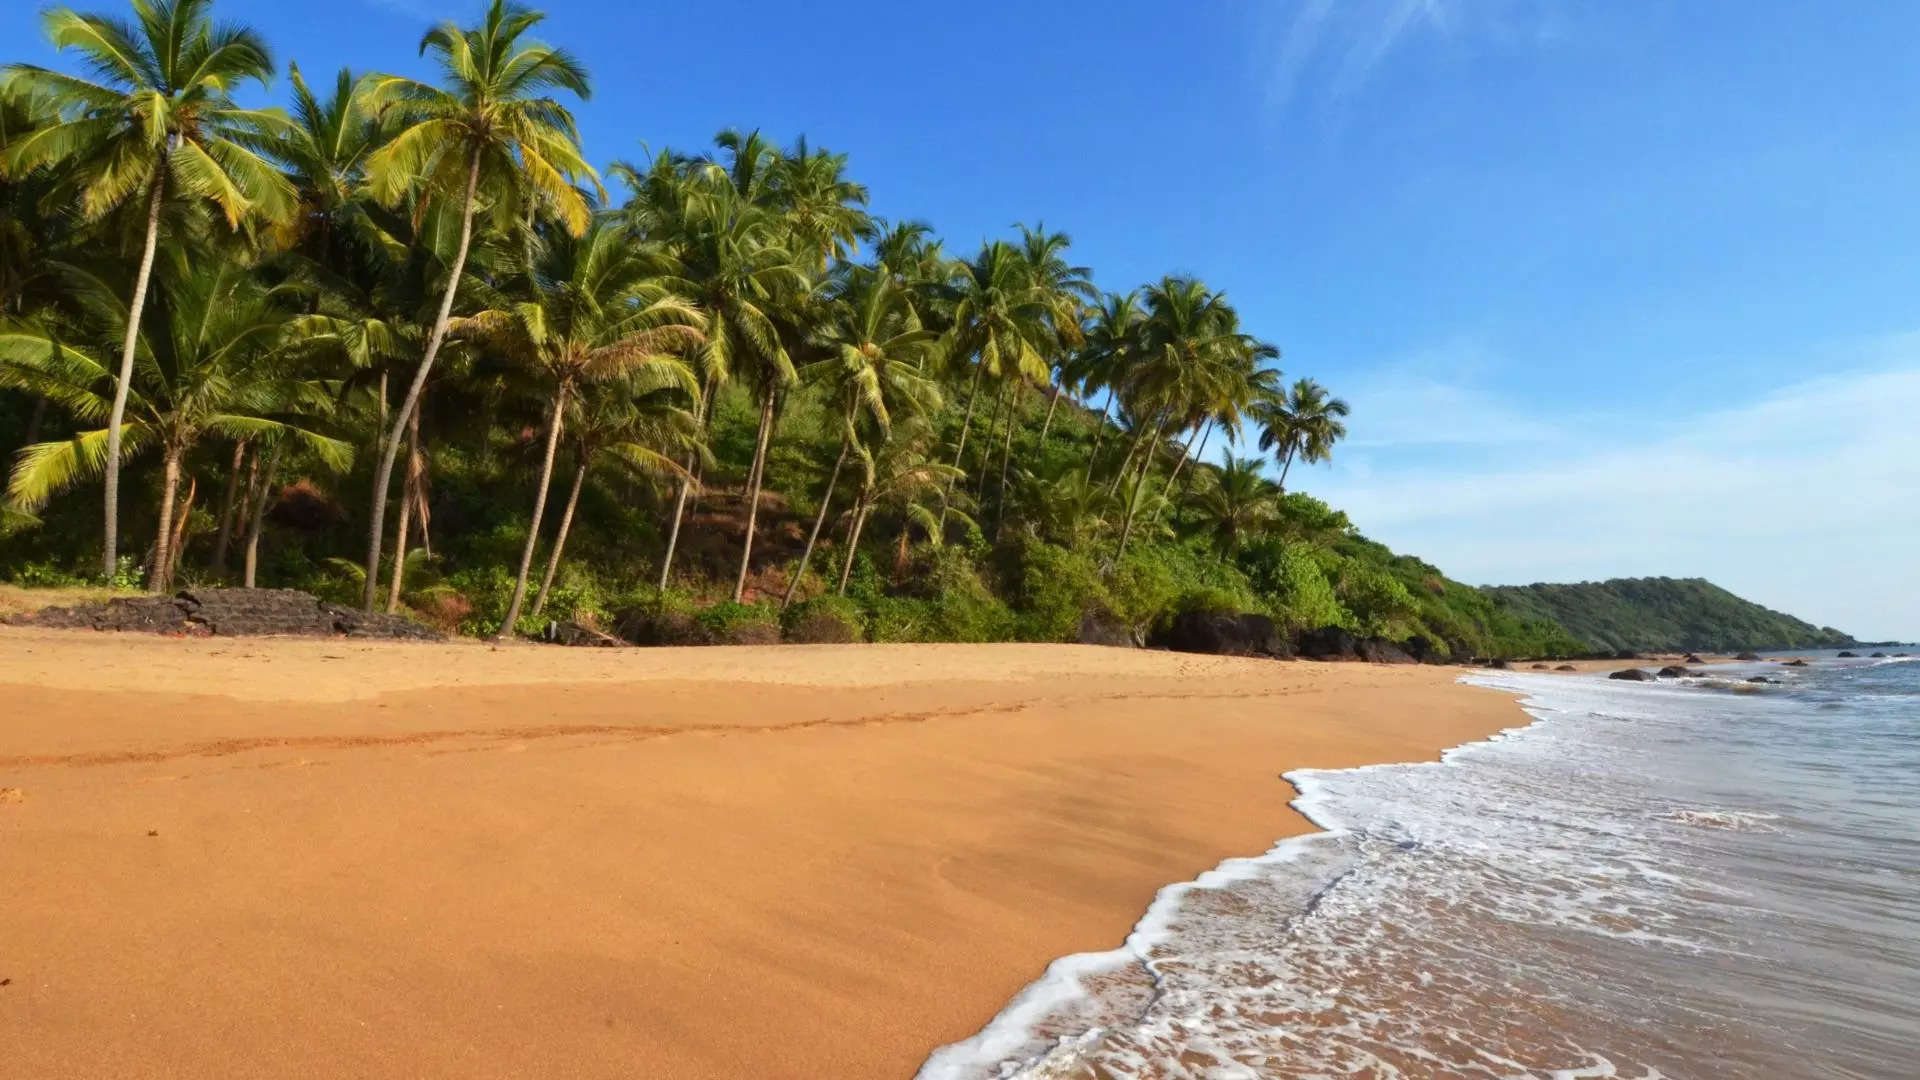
{"points": [[1698, 879]]}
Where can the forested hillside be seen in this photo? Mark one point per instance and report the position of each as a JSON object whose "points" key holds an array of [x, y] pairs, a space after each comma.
{"points": [[1663, 613]]}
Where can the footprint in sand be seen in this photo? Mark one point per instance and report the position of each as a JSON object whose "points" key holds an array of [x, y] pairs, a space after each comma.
{"points": [[12, 795]]}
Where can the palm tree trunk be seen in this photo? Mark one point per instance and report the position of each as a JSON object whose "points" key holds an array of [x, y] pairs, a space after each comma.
{"points": [[162, 579], [259, 515], [181, 519], [1285, 464], [754, 478], [539, 511], [383, 477], [819, 519], [966, 425], [1186, 453], [560, 541], [1126, 463], [1006, 457], [860, 511], [686, 487], [407, 493], [118, 416], [228, 506], [986, 459], [1053, 402], [1133, 506], [1099, 433]]}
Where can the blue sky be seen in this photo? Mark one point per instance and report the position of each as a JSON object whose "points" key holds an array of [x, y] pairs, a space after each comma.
{"points": [[1613, 287]]}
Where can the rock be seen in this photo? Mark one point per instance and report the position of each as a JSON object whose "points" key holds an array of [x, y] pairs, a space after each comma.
{"points": [[1224, 635], [1845, 655], [1760, 679], [1674, 671], [574, 634], [1632, 675], [231, 613], [1499, 665], [1796, 663], [646, 626], [1539, 667], [1422, 650], [1381, 651], [1566, 667], [1326, 643], [1106, 628], [1692, 659], [1748, 656], [1877, 656]]}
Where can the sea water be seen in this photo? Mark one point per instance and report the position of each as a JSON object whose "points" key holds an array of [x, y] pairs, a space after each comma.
{"points": [[1701, 878]]}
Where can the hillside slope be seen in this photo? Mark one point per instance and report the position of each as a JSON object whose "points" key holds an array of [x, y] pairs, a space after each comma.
{"points": [[1662, 613]]}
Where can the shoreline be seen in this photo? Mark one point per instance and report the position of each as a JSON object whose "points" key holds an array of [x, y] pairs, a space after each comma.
{"points": [[403, 859]]}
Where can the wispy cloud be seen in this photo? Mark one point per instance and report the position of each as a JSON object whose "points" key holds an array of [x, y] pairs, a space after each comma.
{"points": [[1803, 498]]}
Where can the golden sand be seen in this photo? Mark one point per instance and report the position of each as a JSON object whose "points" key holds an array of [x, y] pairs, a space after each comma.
{"points": [[281, 858]]}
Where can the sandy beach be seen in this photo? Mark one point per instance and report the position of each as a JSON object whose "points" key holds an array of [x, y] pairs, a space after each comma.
{"points": [[275, 858]]}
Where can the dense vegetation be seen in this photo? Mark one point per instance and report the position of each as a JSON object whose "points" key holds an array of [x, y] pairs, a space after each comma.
{"points": [[727, 404], [1652, 614]]}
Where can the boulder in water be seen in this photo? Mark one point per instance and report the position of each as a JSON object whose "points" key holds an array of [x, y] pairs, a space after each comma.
{"points": [[1674, 671], [1566, 667], [1760, 679], [1632, 675], [1692, 659], [1748, 656], [1796, 663], [1845, 655]]}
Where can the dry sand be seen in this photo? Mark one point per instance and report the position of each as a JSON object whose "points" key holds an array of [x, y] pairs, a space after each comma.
{"points": [[313, 858]]}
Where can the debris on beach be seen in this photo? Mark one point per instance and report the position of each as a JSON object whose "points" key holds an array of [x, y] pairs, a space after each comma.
{"points": [[229, 613]]}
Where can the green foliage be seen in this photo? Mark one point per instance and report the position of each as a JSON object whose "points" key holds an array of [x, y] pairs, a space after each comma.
{"points": [[822, 620], [732, 623], [1295, 588], [1380, 603], [1052, 590], [1149, 583], [44, 575], [1647, 614]]}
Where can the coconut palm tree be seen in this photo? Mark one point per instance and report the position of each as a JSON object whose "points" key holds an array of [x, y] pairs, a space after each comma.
{"points": [[646, 432], [1303, 424], [211, 359], [1065, 291], [598, 312], [489, 130], [873, 351], [157, 122], [325, 150], [1237, 503], [1112, 341], [1000, 328], [902, 478]]}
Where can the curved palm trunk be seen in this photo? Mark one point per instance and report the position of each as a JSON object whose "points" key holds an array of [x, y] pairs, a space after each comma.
{"points": [[259, 514], [686, 488], [229, 505], [409, 494], [560, 541], [1201, 434], [1126, 463], [383, 476], [966, 425], [1099, 433], [1053, 402], [754, 478], [181, 519], [993, 425], [1285, 464], [1133, 507], [1006, 457], [539, 511], [861, 509], [118, 417], [819, 519], [162, 579]]}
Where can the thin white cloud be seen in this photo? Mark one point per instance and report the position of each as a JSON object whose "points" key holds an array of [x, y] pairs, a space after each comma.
{"points": [[1807, 499]]}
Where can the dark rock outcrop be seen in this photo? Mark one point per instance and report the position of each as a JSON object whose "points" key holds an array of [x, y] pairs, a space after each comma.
{"points": [[1632, 675], [1539, 667], [1845, 655], [1224, 635], [646, 626], [1674, 671], [1326, 643], [1105, 628], [232, 613], [1381, 651], [1566, 667], [1877, 656], [1796, 663], [1422, 650], [1760, 679], [1748, 656], [1692, 659]]}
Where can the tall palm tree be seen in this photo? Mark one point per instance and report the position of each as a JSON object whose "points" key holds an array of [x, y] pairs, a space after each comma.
{"points": [[643, 431], [999, 327], [210, 359], [1065, 291], [823, 208], [1303, 424], [598, 312], [1112, 341], [871, 366], [902, 477], [489, 121], [156, 121], [325, 150]]}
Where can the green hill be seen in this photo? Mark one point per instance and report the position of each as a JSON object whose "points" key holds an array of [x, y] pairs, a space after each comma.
{"points": [[1662, 613]]}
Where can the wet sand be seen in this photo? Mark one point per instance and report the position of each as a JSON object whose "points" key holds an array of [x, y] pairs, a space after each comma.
{"points": [[276, 858]]}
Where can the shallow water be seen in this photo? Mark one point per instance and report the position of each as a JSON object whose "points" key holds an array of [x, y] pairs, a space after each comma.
{"points": [[1708, 879]]}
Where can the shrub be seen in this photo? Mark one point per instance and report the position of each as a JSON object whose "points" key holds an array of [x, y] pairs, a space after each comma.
{"points": [[823, 620], [1053, 589], [899, 618], [1377, 599], [961, 607], [731, 623], [1294, 586], [44, 575]]}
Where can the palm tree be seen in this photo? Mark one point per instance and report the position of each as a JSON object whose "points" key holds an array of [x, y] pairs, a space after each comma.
{"points": [[1237, 503], [901, 478], [598, 313], [1112, 343], [822, 207], [873, 349], [644, 431], [1064, 291], [158, 121], [1000, 326], [210, 359], [1303, 424], [489, 120], [325, 151]]}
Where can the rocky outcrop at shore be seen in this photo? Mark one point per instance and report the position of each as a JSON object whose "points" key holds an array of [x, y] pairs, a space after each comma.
{"points": [[1632, 675], [1224, 635], [230, 613]]}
